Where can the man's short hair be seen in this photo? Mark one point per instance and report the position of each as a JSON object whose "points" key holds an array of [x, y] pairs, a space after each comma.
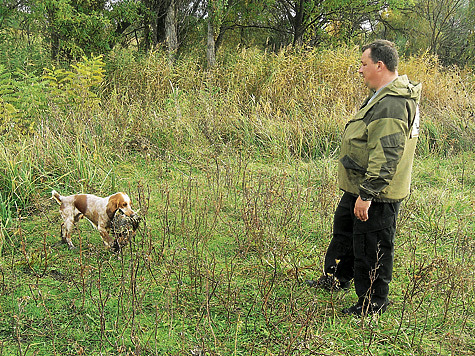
{"points": [[384, 51]]}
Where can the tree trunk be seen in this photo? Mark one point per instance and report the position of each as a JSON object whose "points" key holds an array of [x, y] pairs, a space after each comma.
{"points": [[54, 45], [298, 26], [54, 37], [170, 31], [144, 45], [154, 22], [210, 50]]}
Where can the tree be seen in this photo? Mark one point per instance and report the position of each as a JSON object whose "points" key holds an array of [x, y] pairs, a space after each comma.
{"points": [[154, 22], [163, 22], [73, 27], [441, 16], [7, 10], [442, 27], [317, 21]]}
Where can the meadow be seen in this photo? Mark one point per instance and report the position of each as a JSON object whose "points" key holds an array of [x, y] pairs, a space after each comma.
{"points": [[234, 174]]}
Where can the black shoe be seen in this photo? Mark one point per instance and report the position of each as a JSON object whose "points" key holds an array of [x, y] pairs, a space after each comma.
{"points": [[366, 309], [329, 283]]}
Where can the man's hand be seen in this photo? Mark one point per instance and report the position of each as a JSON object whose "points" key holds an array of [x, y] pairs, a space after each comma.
{"points": [[361, 209]]}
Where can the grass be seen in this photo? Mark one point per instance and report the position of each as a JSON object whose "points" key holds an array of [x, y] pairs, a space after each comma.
{"points": [[219, 263], [234, 173]]}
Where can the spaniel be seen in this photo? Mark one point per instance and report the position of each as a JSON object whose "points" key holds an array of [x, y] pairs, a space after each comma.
{"points": [[99, 211]]}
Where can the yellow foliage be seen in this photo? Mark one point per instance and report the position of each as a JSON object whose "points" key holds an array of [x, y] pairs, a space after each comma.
{"points": [[76, 88]]}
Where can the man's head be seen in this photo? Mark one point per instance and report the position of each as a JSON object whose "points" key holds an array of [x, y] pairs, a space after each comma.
{"points": [[384, 51], [379, 62]]}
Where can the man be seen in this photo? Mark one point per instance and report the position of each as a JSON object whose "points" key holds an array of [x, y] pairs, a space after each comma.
{"points": [[374, 172]]}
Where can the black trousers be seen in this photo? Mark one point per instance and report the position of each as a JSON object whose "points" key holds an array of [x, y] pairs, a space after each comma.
{"points": [[363, 251]]}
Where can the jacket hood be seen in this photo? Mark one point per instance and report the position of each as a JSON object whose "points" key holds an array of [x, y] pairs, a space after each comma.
{"points": [[402, 86]]}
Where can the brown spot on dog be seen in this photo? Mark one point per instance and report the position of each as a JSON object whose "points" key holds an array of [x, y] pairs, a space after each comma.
{"points": [[81, 203], [95, 217]]}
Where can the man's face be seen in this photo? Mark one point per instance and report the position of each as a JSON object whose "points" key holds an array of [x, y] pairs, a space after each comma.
{"points": [[369, 70]]}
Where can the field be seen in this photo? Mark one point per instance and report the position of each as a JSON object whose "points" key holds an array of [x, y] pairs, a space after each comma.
{"points": [[234, 173]]}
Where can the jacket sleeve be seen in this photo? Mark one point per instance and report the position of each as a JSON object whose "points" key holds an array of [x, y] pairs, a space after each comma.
{"points": [[387, 134]]}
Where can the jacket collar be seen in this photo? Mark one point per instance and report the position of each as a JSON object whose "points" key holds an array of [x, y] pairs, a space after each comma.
{"points": [[401, 86]]}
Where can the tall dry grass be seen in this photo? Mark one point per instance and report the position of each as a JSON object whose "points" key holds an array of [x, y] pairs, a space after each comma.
{"points": [[282, 105]]}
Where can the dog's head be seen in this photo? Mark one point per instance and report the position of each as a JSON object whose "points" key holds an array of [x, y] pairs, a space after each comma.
{"points": [[119, 201]]}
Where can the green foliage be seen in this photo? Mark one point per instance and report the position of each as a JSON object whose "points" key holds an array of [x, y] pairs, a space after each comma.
{"points": [[294, 103], [443, 28], [68, 29], [8, 112], [125, 15], [16, 111], [25, 97], [76, 89], [73, 28], [6, 216], [76, 32], [217, 10]]}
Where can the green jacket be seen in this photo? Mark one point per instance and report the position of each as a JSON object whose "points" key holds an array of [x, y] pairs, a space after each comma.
{"points": [[378, 144]]}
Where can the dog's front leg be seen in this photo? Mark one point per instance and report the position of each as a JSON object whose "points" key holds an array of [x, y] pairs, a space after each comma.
{"points": [[106, 238], [66, 228]]}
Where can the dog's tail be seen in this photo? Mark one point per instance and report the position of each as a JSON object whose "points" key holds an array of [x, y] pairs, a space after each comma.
{"points": [[56, 196]]}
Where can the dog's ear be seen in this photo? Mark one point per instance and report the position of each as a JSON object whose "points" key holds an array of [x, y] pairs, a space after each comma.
{"points": [[113, 204]]}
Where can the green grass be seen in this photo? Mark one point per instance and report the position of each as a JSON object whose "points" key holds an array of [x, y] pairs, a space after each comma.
{"points": [[219, 264]]}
